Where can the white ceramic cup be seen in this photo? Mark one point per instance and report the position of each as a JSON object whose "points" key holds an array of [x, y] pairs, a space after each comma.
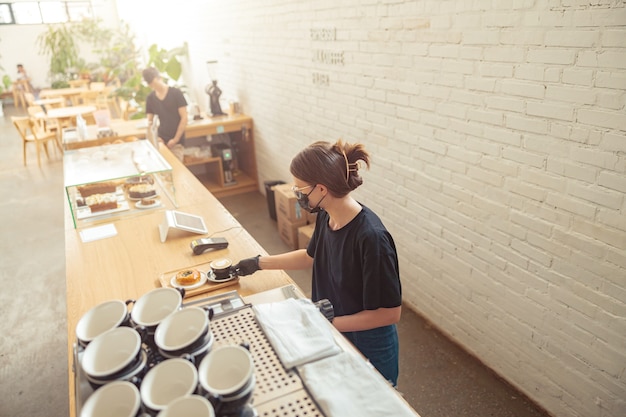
{"points": [[152, 307], [189, 406], [181, 328], [119, 398], [167, 381], [111, 352], [99, 319], [226, 370]]}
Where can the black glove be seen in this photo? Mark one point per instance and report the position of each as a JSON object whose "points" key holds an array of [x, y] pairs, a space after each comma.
{"points": [[247, 266]]}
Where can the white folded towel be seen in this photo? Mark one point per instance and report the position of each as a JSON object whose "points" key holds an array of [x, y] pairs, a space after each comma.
{"points": [[346, 385], [297, 331]]}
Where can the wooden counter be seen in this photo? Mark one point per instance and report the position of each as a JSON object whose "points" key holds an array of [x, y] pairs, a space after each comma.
{"points": [[123, 129], [128, 265]]}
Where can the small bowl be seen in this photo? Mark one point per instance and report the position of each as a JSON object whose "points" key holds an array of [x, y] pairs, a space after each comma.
{"points": [[182, 329], [189, 406], [226, 370], [99, 319], [167, 381], [111, 352], [120, 399], [152, 307]]}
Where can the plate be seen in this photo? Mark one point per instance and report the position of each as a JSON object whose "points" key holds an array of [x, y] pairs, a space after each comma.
{"points": [[141, 198], [211, 277], [139, 205], [198, 284]]}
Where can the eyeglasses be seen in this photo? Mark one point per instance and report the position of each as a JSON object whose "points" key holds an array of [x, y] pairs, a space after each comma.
{"points": [[298, 191]]}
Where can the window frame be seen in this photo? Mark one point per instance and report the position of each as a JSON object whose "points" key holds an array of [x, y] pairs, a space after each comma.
{"points": [[46, 20]]}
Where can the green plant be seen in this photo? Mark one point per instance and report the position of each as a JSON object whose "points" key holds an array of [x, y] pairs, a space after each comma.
{"points": [[6, 81], [165, 61], [59, 43]]}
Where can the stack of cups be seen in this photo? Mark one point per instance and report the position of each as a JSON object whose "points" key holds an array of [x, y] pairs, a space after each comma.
{"points": [[188, 378]]}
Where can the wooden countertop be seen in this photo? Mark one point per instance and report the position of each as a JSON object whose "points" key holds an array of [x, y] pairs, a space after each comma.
{"points": [[128, 265]]}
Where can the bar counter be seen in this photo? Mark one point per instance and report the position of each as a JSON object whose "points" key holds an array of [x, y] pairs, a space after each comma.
{"points": [[129, 264]]}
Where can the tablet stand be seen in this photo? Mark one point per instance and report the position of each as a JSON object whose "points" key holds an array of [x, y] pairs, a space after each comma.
{"points": [[181, 221]]}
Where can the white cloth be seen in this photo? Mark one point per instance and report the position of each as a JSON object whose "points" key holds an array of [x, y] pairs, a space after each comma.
{"points": [[346, 385], [297, 331]]}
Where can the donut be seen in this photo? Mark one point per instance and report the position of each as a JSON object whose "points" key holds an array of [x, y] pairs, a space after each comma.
{"points": [[187, 277]]}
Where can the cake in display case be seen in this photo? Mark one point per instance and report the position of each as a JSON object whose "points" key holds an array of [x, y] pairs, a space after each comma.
{"points": [[108, 181]]}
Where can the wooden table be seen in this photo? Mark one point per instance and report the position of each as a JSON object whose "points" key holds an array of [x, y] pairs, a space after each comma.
{"points": [[129, 264], [123, 130], [51, 102], [65, 93], [66, 115]]}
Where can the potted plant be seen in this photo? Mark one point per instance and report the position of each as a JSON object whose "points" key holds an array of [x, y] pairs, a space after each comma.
{"points": [[60, 43]]}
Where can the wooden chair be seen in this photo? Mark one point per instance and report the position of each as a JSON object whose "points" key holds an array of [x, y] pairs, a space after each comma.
{"points": [[30, 133], [19, 88], [43, 124], [29, 98]]}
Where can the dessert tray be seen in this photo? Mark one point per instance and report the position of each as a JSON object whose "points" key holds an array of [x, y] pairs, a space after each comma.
{"points": [[84, 212], [209, 283]]}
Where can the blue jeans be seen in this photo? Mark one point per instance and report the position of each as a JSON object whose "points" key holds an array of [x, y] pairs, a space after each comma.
{"points": [[381, 347]]}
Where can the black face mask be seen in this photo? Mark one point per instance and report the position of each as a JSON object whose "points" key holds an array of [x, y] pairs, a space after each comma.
{"points": [[303, 200]]}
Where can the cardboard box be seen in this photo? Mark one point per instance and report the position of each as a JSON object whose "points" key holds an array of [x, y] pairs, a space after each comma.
{"points": [[288, 230], [287, 204], [304, 235]]}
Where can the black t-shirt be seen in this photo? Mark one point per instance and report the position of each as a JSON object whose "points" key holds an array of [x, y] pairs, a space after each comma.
{"points": [[355, 267], [167, 110]]}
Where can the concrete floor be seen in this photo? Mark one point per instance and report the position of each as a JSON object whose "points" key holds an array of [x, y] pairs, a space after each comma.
{"points": [[437, 378]]}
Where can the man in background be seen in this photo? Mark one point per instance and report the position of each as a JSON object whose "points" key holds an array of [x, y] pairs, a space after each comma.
{"points": [[169, 104]]}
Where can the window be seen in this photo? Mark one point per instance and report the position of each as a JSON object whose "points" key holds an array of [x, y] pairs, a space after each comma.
{"points": [[6, 17], [26, 12], [53, 12], [38, 12]]}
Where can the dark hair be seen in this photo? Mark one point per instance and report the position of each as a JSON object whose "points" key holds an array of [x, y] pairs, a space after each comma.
{"points": [[334, 165], [149, 74]]}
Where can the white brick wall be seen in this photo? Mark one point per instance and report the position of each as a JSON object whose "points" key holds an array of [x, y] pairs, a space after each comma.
{"points": [[497, 128]]}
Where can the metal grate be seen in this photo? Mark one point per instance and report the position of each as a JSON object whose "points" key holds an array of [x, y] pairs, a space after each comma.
{"points": [[272, 380]]}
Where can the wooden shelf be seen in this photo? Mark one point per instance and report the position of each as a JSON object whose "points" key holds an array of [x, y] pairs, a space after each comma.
{"points": [[210, 170], [194, 162], [244, 184]]}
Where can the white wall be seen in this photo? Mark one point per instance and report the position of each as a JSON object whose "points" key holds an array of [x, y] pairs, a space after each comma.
{"points": [[498, 135]]}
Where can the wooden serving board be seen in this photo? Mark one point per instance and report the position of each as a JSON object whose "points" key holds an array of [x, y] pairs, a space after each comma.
{"points": [[166, 278]]}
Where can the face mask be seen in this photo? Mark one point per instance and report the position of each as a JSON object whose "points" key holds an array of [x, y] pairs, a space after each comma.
{"points": [[303, 200]]}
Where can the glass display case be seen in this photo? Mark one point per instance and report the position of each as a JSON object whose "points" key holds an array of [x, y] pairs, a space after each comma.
{"points": [[109, 181]]}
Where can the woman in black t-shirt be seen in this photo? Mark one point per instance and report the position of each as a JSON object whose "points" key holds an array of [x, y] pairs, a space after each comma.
{"points": [[353, 256]]}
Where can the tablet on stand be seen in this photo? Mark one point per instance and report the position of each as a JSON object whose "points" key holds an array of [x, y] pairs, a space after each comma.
{"points": [[182, 221]]}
